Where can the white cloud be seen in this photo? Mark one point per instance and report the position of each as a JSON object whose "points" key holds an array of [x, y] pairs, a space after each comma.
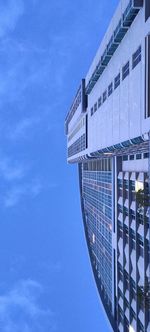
{"points": [[20, 310], [10, 12]]}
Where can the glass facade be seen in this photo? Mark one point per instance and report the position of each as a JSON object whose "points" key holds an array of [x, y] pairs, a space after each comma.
{"points": [[97, 209], [133, 292], [78, 146], [115, 206]]}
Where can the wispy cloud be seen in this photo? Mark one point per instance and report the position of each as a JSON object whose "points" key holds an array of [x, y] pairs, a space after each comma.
{"points": [[20, 309], [24, 72], [22, 128], [11, 170], [17, 181], [10, 12], [50, 268], [30, 66], [16, 193]]}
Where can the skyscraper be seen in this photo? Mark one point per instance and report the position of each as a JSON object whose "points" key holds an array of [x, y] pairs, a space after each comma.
{"points": [[108, 136]]}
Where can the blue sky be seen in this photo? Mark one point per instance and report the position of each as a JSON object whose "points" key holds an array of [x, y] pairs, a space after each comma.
{"points": [[46, 283]]}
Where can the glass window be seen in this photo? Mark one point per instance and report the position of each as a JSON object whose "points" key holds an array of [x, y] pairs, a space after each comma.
{"points": [[104, 96], [133, 244], [92, 111], [110, 89], [147, 76], [146, 155], [95, 107], [141, 249], [126, 283], [131, 157], [136, 57], [133, 293], [120, 275], [132, 183], [125, 71], [147, 10], [120, 314], [99, 101], [126, 235], [120, 232], [138, 156], [117, 81]]}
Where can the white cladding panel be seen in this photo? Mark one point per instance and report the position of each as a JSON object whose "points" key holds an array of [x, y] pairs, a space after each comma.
{"points": [[121, 117], [113, 24], [136, 112], [124, 105]]}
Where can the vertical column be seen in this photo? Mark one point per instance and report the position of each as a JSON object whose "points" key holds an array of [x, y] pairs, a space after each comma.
{"points": [[130, 249], [147, 9], [116, 229], [149, 234], [114, 241], [86, 131], [147, 75], [117, 169], [136, 259], [146, 262], [123, 250]]}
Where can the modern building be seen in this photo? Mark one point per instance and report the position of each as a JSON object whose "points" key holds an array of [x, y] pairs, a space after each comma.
{"points": [[108, 136]]}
